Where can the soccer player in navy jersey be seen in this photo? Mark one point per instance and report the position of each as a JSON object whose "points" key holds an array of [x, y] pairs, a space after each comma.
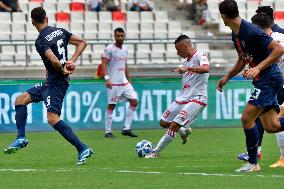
{"points": [[275, 28], [51, 45], [260, 52]]}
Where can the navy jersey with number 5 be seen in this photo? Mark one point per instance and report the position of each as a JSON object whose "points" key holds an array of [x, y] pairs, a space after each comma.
{"points": [[55, 39]]}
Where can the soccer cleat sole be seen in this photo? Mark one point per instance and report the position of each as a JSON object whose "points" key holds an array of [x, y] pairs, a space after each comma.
{"points": [[85, 157], [10, 150]]}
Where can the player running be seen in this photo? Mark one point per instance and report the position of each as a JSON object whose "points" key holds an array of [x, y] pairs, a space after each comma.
{"points": [[260, 52], [51, 45], [191, 100], [115, 71], [276, 30]]}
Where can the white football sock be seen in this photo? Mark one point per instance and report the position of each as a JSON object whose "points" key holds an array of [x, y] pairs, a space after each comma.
{"points": [[280, 141], [108, 120], [129, 117], [165, 140], [181, 131]]}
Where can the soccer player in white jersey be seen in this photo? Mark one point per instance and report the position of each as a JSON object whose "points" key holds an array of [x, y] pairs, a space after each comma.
{"points": [[192, 98], [265, 23], [115, 71]]}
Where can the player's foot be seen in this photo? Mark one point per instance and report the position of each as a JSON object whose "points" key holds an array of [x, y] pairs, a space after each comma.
{"points": [[128, 132], [16, 145], [279, 163], [84, 154], [152, 155], [184, 138], [248, 167], [245, 157], [109, 135]]}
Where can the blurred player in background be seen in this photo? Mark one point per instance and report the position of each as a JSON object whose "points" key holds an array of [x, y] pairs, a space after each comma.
{"points": [[191, 100], [51, 45], [269, 28], [260, 52], [262, 20], [116, 75]]}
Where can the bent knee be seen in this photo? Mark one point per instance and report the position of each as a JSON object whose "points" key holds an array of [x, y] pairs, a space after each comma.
{"points": [[23, 99], [52, 118], [164, 124], [134, 103]]}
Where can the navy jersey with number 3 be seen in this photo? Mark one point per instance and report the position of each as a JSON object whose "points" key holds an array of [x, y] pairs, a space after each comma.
{"points": [[55, 39]]}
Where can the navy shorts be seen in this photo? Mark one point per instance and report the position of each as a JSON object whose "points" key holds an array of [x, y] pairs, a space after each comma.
{"points": [[52, 96], [266, 88]]}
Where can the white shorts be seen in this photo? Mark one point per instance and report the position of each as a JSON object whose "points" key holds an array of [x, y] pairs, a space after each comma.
{"points": [[184, 113], [120, 93]]}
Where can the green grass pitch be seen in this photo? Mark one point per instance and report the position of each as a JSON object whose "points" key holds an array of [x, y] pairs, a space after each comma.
{"points": [[207, 161]]}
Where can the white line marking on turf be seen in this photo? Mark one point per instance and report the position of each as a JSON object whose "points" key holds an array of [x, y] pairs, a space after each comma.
{"points": [[142, 172]]}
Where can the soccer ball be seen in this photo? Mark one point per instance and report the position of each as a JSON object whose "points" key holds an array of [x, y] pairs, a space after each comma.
{"points": [[143, 148]]}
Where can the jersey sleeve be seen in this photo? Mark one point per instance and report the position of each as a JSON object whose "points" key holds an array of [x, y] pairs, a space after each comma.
{"points": [[107, 53], [260, 38], [67, 34], [41, 47]]}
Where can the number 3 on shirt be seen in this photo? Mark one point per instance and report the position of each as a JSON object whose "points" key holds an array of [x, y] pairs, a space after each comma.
{"points": [[61, 50], [255, 93]]}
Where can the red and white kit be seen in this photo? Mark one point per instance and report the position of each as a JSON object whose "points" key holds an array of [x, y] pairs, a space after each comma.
{"points": [[192, 98], [121, 88]]}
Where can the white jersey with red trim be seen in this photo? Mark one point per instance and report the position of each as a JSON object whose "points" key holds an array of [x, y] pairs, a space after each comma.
{"points": [[194, 84], [117, 63], [280, 38]]}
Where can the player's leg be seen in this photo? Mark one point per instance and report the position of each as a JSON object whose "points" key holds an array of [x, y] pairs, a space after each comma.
{"points": [[108, 120], [169, 115], [113, 96], [129, 94], [21, 102], [248, 118], [53, 98], [280, 141], [127, 131], [187, 114], [259, 126]]}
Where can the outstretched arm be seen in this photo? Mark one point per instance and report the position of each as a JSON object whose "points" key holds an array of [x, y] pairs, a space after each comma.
{"points": [[237, 68]]}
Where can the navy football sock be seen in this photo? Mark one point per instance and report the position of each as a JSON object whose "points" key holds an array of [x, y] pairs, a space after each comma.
{"points": [[69, 135], [252, 144], [260, 129], [281, 119], [21, 119]]}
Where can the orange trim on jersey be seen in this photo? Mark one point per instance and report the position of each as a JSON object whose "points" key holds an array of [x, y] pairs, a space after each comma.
{"points": [[122, 84], [196, 101], [189, 58]]}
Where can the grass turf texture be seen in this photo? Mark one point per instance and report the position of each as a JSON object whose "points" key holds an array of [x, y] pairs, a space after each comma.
{"points": [[208, 160]]}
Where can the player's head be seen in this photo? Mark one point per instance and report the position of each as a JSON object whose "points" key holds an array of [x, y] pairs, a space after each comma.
{"points": [[119, 36], [267, 10], [262, 20], [229, 10], [38, 16], [184, 46]]}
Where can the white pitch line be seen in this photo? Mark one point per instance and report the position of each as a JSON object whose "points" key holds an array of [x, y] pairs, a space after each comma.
{"points": [[143, 172]]}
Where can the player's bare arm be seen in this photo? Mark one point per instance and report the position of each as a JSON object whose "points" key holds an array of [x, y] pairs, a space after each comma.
{"points": [[105, 62], [80, 47], [237, 68], [56, 63], [277, 50], [198, 69]]}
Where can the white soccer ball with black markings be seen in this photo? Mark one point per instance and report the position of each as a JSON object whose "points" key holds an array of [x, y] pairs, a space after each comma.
{"points": [[143, 148]]}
